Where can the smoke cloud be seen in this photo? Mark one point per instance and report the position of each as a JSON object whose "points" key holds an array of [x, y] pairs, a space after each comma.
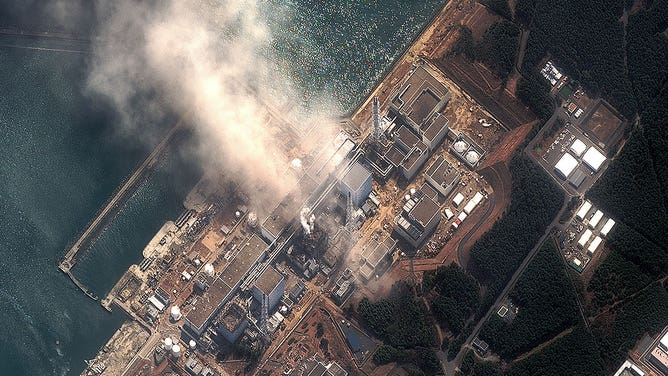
{"points": [[211, 62]]}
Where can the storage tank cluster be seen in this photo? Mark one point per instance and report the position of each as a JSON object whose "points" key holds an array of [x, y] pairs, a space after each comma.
{"points": [[172, 347]]}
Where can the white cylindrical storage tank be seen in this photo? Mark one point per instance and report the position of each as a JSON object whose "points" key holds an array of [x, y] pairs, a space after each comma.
{"points": [[461, 146], [208, 269], [408, 197], [192, 344], [175, 313], [472, 157], [176, 351], [167, 344], [413, 191]]}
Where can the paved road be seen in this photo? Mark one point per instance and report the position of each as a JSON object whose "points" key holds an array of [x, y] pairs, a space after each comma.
{"points": [[451, 366]]}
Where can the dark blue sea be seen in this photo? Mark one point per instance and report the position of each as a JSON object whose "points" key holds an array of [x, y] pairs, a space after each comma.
{"points": [[61, 157]]}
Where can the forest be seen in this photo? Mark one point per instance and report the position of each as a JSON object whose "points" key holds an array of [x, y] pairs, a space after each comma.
{"points": [[535, 201], [457, 295], [575, 353], [587, 40], [646, 312], [547, 306], [499, 7], [498, 47], [404, 325], [614, 279]]}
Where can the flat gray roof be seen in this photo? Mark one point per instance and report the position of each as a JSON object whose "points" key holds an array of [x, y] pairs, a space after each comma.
{"points": [[375, 253], [424, 211], [442, 172], [356, 176], [208, 303], [251, 250], [268, 280]]}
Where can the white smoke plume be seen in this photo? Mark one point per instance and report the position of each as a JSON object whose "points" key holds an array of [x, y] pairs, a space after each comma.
{"points": [[211, 62], [304, 220]]}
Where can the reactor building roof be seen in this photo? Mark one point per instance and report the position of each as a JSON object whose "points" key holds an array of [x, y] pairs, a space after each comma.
{"points": [[207, 305], [373, 255], [420, 102], [442, 176], [356, 176], [566, 165], [268, 280], [232, 317]]}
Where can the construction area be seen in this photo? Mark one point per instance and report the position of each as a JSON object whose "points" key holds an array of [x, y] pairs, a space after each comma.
{"points": [[408, 184]]}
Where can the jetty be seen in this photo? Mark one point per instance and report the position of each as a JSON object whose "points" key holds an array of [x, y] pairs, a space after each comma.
{"points": [[111, 208]]}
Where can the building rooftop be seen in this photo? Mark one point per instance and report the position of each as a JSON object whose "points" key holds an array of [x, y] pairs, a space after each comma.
{"points": [[577, 178], [377, 251], [207, 305], [584, 209], [232, 317], [423, 212], [442, 172], [406, 139], [395, 155], [593, 158], [414, 156], [356, 176], [429, 191], [629, 368], [578, 147], [252, 249], [420, 98], [566, 165], [268, 280]]}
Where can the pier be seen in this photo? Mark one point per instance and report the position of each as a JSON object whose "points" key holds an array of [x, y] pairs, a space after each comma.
{"points": [[115, 202]]}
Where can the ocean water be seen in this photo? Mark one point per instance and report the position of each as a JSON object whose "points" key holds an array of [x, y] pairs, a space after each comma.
{"points": [[61, 157]]}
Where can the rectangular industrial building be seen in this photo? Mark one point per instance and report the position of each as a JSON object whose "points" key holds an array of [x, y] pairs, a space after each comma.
{"points": [[457, 200], [584, 238], [595, 219], [443, 176], [232, 322], [270, 285], [607, 226], [374, 256], [420, 103], [206, 306], [357, 183], [593, 159], [415, 152], [473, 203], [418, 219], [566, 164], [594, 245], [584, 209], [578, 147]]}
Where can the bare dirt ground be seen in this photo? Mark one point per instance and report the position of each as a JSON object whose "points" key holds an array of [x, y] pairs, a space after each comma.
{"points": [[507, 146], [603, 124], [475, 78], [315, 335]]}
